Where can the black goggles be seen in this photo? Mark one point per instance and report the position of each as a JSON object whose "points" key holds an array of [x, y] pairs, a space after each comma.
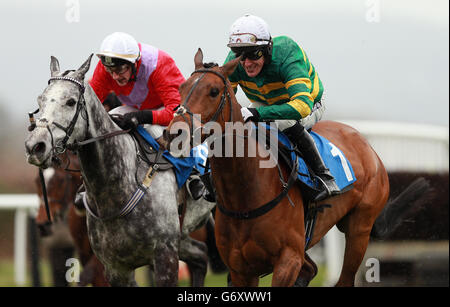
{"points": [[251, 54], [113, 62]]}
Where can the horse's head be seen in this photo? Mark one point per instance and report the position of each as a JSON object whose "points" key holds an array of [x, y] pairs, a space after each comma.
{"points": [[206, 98], [61, 188], [61, 105]]}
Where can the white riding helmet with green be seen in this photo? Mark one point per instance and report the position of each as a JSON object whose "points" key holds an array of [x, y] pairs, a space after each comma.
{"points": [[249, 31], [118, 48]]}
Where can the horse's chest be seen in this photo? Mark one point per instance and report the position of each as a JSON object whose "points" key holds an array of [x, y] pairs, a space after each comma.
{"points": [[122, 241], [249, 257]]}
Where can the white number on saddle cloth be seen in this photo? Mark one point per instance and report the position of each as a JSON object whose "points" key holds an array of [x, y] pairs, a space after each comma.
{"points": [[337, 152], [200, 153]]}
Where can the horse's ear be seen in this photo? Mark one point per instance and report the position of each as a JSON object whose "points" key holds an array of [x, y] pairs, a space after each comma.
{"points": [[79, 74], [198, 59], [229, 67], [54, 66]]}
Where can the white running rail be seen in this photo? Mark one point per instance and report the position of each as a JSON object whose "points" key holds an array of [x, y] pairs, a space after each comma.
{"points": [[23, 204]]}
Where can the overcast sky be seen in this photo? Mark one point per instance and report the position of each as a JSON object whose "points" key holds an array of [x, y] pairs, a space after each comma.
{"points": [[378, 59]]}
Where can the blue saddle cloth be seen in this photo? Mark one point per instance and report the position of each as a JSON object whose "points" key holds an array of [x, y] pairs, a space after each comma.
{"points": [[182, 166], [332, 156]]}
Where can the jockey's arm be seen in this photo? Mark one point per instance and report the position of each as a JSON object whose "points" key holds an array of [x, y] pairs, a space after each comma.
{"points": [[296, 80], [166, 80]]}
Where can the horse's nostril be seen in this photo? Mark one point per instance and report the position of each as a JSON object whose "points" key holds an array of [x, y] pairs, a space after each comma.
{"points": [[38, 148], [45, 229]]}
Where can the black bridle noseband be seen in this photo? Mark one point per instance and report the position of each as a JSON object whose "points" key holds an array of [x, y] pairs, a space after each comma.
{"points": [[81, 104], [61, 147]]}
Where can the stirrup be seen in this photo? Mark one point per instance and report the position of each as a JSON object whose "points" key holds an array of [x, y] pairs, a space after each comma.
{"points": [[210, 197], [195, 187], [326, 191]]}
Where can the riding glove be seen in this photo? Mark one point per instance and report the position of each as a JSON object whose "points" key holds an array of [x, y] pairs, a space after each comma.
{"points": [[250, 114], [133, 119]]}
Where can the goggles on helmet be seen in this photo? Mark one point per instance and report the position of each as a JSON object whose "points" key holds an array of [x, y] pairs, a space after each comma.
{"points": [[251, 53], [120, 69], [113, 62]]}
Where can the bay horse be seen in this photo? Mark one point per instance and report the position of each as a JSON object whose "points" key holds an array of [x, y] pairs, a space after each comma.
{"points": [[113, 170], [68, 229], [275, 241]]}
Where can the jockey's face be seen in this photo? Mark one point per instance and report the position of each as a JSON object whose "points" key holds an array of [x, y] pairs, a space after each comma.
{"points": [[252, 67], [120, 74]]}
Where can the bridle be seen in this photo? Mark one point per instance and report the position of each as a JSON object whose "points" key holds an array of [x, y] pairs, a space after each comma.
{"points": [[183, 109], [81, 104], [61, 146], [65, 200]]}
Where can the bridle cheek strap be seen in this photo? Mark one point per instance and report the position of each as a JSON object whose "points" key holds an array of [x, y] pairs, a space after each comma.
{"points": [[183, 109], [61, 147]]}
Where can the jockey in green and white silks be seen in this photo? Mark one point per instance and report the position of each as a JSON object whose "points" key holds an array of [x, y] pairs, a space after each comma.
{"points": [[282, 85]]}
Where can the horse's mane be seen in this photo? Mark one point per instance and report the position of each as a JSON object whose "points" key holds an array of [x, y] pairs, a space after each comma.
{"points": [[210, 65], [67, 72]]}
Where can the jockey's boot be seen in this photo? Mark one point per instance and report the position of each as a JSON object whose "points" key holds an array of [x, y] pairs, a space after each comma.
{"points": [[306, 145]]}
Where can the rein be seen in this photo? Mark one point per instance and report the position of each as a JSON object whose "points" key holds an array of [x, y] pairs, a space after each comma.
{"points": [[183, 109], [60, 148]]}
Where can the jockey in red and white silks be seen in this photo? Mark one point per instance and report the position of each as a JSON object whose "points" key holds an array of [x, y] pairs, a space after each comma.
{"points": [[141, 76]]}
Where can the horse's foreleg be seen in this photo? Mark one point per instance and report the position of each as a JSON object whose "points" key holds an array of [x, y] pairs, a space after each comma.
{"points": [[287, 268], [166, 265], [194, 253], [307, 272]]}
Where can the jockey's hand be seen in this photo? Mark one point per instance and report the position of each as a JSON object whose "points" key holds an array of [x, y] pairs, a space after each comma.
{"points": [[133, 119], [250, 114]]}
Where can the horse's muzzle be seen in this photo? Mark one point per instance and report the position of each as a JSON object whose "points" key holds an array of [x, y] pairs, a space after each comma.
{"points": [[38, 152]]}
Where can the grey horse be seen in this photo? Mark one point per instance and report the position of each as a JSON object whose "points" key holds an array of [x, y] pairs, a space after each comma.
{"points": [[112, 170]]}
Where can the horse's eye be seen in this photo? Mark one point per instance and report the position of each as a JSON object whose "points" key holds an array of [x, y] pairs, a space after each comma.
{"points": [[71, 102], [214, 92]]}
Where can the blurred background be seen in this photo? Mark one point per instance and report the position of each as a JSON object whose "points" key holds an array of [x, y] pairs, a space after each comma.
{"points": [[384, 65]]}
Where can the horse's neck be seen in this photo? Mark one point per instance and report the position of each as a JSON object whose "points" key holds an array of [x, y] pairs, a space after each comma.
{"points": [[99, 120], [233, 176], [98, 158]]}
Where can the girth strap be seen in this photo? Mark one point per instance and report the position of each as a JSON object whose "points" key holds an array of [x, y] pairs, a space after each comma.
{"points": [[266, 207]]}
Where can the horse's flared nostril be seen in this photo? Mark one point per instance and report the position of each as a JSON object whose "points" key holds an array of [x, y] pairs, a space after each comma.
{"points": [[38, 148]]}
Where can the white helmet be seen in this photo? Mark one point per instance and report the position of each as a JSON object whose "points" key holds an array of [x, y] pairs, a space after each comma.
{"points": [[249, 31], [118, 45]]}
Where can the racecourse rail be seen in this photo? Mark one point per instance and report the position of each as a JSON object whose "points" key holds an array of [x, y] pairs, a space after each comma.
{"points": [[401, 146]]}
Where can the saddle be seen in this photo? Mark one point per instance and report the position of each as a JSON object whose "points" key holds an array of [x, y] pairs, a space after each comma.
{"points": [[150, 154], [304, 180], [307, 179]]}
